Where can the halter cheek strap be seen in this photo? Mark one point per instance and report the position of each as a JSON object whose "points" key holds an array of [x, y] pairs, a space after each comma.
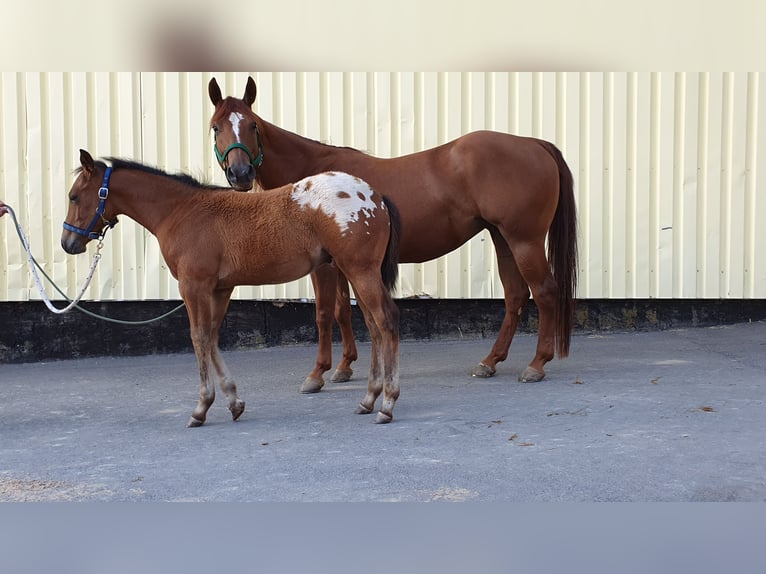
{"points": [[255, 161], [88, 232]]}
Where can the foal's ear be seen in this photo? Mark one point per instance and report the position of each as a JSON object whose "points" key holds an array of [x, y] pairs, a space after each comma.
{"points": [[250, 91], [87, 163], [214, 92]]}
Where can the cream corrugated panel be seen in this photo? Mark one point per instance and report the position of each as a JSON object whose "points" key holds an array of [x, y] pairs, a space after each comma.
{"points": [[666, 167], [667, 173], [13, 185], [46, 118]]}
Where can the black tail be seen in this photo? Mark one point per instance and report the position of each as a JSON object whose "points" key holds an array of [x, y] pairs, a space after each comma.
{"points": [[562, 252], [389, 269]]}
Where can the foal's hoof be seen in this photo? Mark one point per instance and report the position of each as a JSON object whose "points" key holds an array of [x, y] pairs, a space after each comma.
{"points": [[194, 423], [311, 385], [362, 410], [383, 419], [237, 409], [342, 375], [483, 371], [531, 375]]}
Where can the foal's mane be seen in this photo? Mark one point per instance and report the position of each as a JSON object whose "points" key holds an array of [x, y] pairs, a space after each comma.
{"points": [[183, 178]]}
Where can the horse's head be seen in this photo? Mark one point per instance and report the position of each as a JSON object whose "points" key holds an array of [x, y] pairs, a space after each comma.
{"points": [[237, 144], [86, 217]]}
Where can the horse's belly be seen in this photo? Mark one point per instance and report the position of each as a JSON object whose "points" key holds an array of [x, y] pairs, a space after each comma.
{"points": [[275, 273], [434, 239]]}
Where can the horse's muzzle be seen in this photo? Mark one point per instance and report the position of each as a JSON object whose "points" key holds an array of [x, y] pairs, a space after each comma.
{"points": [[71, 243], [241, 176]]}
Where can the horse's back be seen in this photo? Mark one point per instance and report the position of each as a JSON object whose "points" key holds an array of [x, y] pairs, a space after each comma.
{"points": [[449, 193], [500, 155]]}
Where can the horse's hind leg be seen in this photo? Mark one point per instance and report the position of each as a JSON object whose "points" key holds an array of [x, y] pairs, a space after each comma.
{"points": [[344, 372], [516, 294], [389, 320], [382, 318], [533, 266], [375, 377]]}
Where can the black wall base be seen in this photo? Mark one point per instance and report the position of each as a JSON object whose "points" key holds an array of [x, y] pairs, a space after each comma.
{"points": [[29, 332]]}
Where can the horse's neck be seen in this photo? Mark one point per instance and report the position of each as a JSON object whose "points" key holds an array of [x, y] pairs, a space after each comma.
{"points": [[149, 199], [290, 157]]}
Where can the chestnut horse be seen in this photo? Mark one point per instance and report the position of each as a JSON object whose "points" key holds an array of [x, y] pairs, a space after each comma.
{"points": [[214, 240], [518, 188]]}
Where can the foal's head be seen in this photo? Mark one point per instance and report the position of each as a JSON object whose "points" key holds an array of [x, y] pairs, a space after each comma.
{"points": [[87, 217], [237, 145]]}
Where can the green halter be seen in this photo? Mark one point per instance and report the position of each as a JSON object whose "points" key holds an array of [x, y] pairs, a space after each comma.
{"points": [[255, 161]]}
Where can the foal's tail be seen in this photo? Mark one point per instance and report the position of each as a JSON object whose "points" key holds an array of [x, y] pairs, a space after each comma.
{"points": [[562, 252], [389, 269]]}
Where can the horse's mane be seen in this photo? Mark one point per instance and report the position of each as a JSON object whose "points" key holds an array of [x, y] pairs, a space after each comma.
{"points": [[231, 103], [184, 178]]}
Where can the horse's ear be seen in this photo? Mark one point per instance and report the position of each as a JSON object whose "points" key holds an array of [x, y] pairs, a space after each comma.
{"points": [[250, 91], [214, 92], [87, 163]]}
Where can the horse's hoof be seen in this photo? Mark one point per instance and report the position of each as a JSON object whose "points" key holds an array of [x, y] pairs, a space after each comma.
{"points": [[311, 385], [194, 423], [362, 410], [483, 371], [383, 419], [531, 375], [342, 376], [237, 409]]}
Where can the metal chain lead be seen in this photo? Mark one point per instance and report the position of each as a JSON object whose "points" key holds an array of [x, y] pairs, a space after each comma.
{"points": [[34, 265]]}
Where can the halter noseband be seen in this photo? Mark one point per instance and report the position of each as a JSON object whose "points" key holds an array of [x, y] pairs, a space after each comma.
{"points": [[103, 193], [255, 161]]}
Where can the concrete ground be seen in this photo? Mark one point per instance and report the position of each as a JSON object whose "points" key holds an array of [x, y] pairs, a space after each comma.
{"points": [[661, 416]]}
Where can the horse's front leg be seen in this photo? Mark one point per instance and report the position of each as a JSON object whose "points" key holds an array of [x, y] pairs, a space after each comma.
{"points": [[323, 278], [198, 307], [344, 372], [200, 340], [219, 305]]}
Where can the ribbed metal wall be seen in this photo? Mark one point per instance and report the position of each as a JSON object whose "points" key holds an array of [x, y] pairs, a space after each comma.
{"points": [[668, 167]]}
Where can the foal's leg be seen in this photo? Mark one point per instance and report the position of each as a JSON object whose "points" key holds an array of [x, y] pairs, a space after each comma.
{"points": [[344, 372], [382, 318], [219, 304], [324, 279], [375, 378], [516, 294], [387, 316], [197, 299], [533, 266]]}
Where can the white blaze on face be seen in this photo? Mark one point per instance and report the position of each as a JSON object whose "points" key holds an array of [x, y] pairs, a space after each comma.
{"points": [[341, 196], [235, 118]]}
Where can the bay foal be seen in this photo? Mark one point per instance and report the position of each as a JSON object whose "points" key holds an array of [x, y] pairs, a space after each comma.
{"points": [[214, 239]]}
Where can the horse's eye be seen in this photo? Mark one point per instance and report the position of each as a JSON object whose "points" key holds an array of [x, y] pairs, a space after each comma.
{"points": [[74, 198], [215, 129], [253, 127]]}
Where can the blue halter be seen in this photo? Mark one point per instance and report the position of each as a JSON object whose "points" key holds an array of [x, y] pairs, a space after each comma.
{"points": [[103, 193]]}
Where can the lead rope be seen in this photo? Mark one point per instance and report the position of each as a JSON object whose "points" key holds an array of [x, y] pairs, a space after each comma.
{"points": [[34, 265]]}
